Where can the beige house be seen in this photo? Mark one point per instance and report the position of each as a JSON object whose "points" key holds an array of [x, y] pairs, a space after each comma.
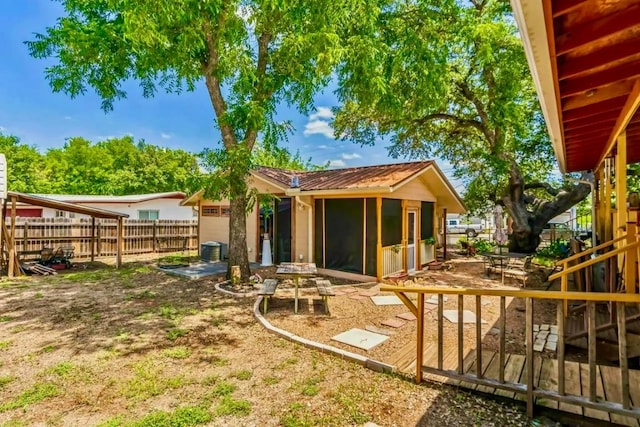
{"points": [[373, 221]]}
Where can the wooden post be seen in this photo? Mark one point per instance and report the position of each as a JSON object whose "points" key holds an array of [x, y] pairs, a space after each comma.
{"points": [[420, 338], [404, 240], [503, 333], [606, 201], [93, 238], [560, 314], [25, 236], [632, 258], [120, 243], [460, 334], [529, 356], [12, 240], [3, 241], [155, 235], [621, 199], [440, 331], [591, 337], [444, 233], [622, 349], [418, 241], [379, 238], [99, 239], [478, 336]]}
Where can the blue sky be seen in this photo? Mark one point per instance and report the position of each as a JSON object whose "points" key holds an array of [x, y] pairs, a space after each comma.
{"points": [[29, 109]]}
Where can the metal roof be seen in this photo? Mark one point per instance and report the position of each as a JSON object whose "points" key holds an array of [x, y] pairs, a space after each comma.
{"points": [[132, 198], [35, 200], [365, 177]]}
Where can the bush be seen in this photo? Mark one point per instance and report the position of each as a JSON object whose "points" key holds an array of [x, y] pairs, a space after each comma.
{"points": [[558, 249]]}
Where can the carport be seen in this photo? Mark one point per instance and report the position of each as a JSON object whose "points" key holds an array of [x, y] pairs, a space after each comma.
{"points": [[9, 255]]}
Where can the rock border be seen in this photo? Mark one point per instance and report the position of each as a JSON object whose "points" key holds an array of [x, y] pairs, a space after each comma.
{"points": [[219, 288], [374, 365]]}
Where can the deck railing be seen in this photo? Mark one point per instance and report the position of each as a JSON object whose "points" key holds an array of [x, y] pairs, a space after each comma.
{"points": [[528, 387], [392, 260]]}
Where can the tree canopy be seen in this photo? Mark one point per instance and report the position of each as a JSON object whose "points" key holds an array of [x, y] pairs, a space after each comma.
{"points": [[449, 79], [117, 166], [251, 55]]}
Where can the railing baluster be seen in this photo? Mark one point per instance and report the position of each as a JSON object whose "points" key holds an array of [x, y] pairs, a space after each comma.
{"points": [[529, 340], [591, 328], [460, 334], [503, 334], [622, 348], [440, 331], [563, 288], [420, 338], [560, 347], [478, 336]]}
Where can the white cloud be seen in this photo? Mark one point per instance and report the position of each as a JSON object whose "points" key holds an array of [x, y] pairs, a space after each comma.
{"points": [[352, 156], [322, 113], [319, 127], [165, 135], [337, 163], [68, 117], [2, 128], [323, 147]]}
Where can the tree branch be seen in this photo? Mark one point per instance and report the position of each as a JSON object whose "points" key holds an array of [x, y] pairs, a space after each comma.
{"points": [[260, 94], [444, 116], [209, 68], [542, 185], [484, 118]]}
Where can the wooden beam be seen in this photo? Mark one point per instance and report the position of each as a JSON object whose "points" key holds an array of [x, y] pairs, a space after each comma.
{"points": [[604, 119], [614, 90], [405, 233], [444, 234], [577, 85], [588, 33], [13, 268], [628, 110], [562, 7], [420, 338], [93, 238], [590, 133], [120, 243], [610, 54], [609, 105], [379, 238], [621, 190]]}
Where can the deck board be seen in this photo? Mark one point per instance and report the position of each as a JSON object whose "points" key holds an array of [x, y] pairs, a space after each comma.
{"points": [[613, 393], [584, 378], [548, 380]]}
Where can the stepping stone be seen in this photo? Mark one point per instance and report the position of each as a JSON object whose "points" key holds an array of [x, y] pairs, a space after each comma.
{"points": [[552, 338], [467, 316], [393, 323], [338, 293], [369, 293], [551, 345], [360, 338], [536, 328], [433, 299], [429, 307], [543, 334], [386, 300], [377, 330], [554, 329], [348, 290], [406, 316], [357, 297], [544, 327], [494, 331], [538, 345]]}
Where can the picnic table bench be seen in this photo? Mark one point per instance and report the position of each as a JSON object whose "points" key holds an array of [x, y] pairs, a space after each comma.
{"points": [[267, 290], [325, 291]]}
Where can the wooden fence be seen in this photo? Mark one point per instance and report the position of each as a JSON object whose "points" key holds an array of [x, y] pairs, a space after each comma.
{"points": [[140, 236]]}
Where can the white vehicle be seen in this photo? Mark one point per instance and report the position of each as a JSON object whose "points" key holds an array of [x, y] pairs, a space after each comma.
{"points": [[457, 226]]}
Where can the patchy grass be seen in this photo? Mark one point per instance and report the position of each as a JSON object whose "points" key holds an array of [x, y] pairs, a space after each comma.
{"points": [[270, 380], [243, 375], [223, 388], [230, 406], [310, 387], [4, 345], [149, 380], [6, 379], [175, 333], [177, 353], [35, 394], [182, 417], [62, 369]]}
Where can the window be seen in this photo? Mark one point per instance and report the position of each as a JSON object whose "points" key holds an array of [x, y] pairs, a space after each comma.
{"points": [[453, 222], [210, 211], [65, 214], [149, 214], [216, 211]]}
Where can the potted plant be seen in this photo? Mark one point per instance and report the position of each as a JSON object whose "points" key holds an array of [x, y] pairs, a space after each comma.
{"points": [[430, 240]]}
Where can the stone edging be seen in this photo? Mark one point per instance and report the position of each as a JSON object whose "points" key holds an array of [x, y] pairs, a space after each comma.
{"points": [[233, 294], [372, 364]]}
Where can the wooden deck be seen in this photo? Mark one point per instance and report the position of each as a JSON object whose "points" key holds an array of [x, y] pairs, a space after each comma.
{"points": [[545, 377]]}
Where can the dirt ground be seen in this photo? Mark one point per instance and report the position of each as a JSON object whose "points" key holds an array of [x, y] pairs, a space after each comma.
{"points": [[347, 312], [136, 346]]}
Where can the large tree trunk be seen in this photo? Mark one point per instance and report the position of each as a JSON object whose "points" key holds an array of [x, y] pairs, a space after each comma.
{"points": [[238, 254], [530, 214]]}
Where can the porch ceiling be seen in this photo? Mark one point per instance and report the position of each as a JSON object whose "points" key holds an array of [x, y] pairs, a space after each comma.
{"points": [[594, 53]]}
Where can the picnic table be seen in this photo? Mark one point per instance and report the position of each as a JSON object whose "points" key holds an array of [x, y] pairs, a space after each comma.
{"points": [[297, 270], [502, 262]]}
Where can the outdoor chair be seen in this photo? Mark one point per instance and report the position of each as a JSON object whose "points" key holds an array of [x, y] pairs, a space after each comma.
{"points": [[518, 269]]}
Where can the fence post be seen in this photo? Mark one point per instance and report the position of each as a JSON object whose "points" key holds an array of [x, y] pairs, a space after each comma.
{"points": [[25, 236], [155, 235], [99, 239]]}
